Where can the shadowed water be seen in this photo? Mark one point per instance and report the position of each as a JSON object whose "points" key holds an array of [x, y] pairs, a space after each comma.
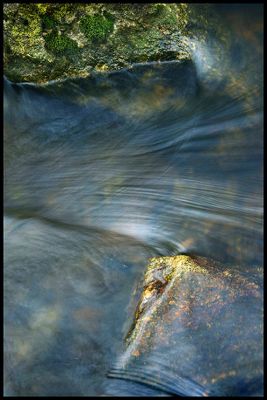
{"points": [[103, 173]]}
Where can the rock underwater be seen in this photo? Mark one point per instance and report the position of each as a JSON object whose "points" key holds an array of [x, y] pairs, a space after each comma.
{"points": [[197, 329]]}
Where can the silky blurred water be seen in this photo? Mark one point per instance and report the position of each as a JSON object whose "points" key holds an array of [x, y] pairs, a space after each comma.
{"points": [[102, 173]]}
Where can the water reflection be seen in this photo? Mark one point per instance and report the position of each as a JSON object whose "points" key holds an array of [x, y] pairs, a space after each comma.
{"points": [[192, 165], [103, 173]]}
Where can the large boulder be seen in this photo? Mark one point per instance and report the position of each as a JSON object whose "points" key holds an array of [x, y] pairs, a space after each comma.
{"points": [[49, 41], [197, 329]]}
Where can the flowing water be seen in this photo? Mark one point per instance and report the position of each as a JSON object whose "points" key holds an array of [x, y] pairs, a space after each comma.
{"points": [[105, 172]]}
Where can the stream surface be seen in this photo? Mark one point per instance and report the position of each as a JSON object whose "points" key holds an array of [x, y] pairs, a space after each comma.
{"points": [[102, 173]]}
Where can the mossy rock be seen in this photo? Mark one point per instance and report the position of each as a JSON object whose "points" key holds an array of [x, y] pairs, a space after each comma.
{"points": [[90, 36]]}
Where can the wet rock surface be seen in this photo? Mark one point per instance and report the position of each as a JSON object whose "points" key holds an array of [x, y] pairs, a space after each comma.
{"points": [[197, 329]]}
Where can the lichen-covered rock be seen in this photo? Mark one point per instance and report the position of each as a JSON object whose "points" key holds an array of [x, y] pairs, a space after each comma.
{"points": [[50, 41], [197, 329]]}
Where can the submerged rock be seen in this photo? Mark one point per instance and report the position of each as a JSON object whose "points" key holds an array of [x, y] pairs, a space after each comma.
{"points": [[197, 329], [49, 41]]}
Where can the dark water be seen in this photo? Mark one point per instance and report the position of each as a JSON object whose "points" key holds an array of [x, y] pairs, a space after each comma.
{"points": [[105, 172]]}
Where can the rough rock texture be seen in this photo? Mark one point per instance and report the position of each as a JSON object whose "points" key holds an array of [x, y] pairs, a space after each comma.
{"points": [[50, 41], [197, 329]]}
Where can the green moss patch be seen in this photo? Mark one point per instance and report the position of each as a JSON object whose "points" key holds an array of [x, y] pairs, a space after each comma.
{"points": [[48, 22], [60, 43], [96, 27]]}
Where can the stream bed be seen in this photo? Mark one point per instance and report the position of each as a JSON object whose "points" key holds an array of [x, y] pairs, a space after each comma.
{"points": [[103, 173]]}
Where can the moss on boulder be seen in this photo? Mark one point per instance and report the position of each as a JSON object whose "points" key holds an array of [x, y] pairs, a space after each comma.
{"points": [[40, 38], [96, 27], [59, 43]]}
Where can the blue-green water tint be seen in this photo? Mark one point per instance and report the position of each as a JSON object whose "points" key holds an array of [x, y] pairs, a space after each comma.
{"points": [[105, 172]]}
